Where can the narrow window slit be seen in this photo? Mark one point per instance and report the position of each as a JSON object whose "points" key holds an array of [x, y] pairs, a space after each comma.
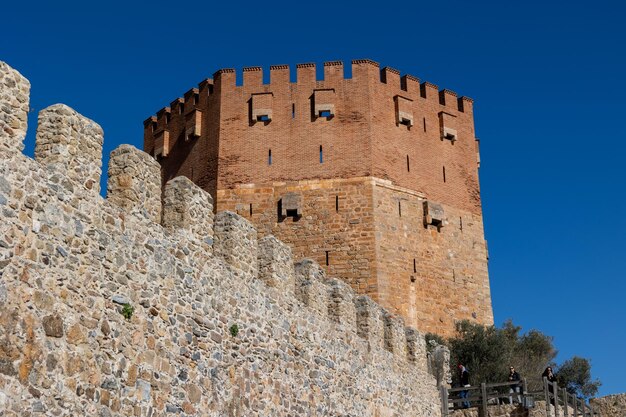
{"points": [[461, 223], [408, 164], [293, 110], [424, 124], [337, 203], [400, 208], [269, 157], [250, 209], [414, 266], [321, 155], [327, 261], [444, 174]]}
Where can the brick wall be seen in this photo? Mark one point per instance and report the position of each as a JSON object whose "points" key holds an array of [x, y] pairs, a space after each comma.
{"points": [[362, 138], [376, 240], [431, 276]]}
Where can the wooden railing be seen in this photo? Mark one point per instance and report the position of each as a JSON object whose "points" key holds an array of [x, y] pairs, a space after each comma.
{"points": [[483, 395]]}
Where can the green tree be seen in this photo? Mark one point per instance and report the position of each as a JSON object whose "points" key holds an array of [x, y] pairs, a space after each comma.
{"points": [[483, 350], [533, 352], [488, 352], [575, 375]]}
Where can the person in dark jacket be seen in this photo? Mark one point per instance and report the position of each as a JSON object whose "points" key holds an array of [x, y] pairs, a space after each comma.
{"points": [[515, 387], [464, 382], [549, 375]]}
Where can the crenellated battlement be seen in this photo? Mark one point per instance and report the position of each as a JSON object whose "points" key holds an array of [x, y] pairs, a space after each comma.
{"points": [[215, 309], [356, 112], [333, 73]]}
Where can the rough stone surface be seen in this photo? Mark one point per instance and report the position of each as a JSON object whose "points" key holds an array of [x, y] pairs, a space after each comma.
{"points": [[370, 322], [134, 182], [188, 207], [206, 335], [14, 106], [70, 143], [276, 265], [53, 326], [610, 406], [439, 363], [310, 288], [236, 243]]}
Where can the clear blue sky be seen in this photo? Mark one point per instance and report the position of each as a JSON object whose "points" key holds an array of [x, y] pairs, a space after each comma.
{"points": [[547, 77]]}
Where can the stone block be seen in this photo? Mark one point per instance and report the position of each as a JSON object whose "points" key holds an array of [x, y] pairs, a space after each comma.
{"points": [[439, 363], [69, 142], [276, 265], [416, 348], [433, 214], [290, 205], [135, 182], [14, 106], [341, 307], [369, 321], [187, 206], [236, 243], [394, 334], [310, 287]]}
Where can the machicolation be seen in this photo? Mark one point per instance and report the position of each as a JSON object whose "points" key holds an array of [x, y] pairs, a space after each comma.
{"points": [[125, 306]]}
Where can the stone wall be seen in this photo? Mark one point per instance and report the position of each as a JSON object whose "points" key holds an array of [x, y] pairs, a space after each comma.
{"points": [[104, 311], [14, 106], [610, 406]]}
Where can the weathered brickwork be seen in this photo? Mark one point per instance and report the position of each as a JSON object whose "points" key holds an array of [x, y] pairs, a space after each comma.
{"points": [[435, 275], [373, 235], [336, 219], [304, 161], [117, 307]]}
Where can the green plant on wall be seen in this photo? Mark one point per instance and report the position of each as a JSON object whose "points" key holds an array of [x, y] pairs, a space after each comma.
{"points": [[234, 330], [127, 311]]}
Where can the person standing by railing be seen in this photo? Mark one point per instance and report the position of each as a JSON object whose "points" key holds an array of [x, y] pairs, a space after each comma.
{"points": [[515, 387], [464, 381], [549, 375]]}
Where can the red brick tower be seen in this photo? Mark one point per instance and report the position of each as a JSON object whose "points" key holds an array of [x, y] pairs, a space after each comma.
{"points": [[375, 177]]}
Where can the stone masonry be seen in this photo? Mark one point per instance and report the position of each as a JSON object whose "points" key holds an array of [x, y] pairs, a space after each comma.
{"points": [[610, 406], [344, 171], [142, 304]]}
